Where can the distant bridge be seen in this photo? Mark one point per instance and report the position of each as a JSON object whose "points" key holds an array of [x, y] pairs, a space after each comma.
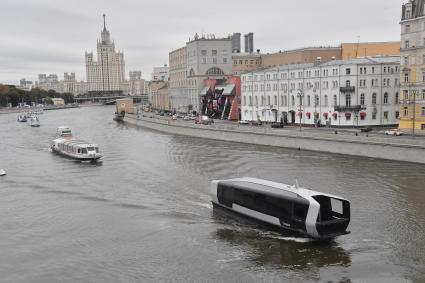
{"points": [[112, 98]]}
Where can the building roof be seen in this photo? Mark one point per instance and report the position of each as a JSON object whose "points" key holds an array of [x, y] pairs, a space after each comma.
{"points": [[355, 61]]}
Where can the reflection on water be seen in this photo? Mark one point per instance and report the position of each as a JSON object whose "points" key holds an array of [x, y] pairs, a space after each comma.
{"points": [[144, 213]]}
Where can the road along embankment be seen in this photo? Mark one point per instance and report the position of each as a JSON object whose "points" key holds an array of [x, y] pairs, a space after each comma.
{"points": [[382, 148]]}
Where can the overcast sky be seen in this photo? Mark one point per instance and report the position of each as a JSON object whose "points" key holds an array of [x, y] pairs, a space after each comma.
{"points": [[51, 36]]}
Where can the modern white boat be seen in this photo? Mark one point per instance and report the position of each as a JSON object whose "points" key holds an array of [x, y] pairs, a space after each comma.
{"points": [[65, 144], [2, 172], [289, 208], [34, 121], [22, 118]]}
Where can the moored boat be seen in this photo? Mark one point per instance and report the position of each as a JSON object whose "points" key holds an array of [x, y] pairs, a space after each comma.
{"points": [[67, 145], [2, 172], [287, 208], [34, 121]]}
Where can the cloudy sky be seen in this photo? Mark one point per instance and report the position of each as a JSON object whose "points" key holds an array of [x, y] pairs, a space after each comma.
{"points": [[51, 36]]}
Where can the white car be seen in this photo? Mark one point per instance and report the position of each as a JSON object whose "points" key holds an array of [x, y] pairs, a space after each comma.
{"points": [[243, 122], [174, 117], [394, 132]]}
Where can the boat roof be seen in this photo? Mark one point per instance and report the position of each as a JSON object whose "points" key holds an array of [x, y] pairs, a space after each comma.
{"points": [[275, 188], [75, 142]]}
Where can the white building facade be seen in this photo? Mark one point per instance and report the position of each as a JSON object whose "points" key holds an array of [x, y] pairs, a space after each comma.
{"points": [[107, 74], [353, 93], [161, 73]]}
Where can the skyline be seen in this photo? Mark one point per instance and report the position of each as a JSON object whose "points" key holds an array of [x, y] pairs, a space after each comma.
{"points": [[60, 35]]}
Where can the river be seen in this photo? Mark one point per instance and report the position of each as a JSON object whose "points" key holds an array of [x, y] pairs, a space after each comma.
{"points": [[144, 213]]}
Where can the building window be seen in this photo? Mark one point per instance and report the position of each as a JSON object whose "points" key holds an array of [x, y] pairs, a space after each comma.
{"points": [[293, 100], [347, 83], [397, 115], [406, 77], [215, 72], [423, 111], [373, 115], [374, 98], [373, 70], [204, 60], [397, 99], [407, 44], [335, 100], [348, 71], [406, 111], [326, 101], [386, 115], [214, 52], [348, 100], [204, 52], [407, 28], [224, 60], [214, 60], [268, 100], [362, 99], [385, 98], [308, 100]]}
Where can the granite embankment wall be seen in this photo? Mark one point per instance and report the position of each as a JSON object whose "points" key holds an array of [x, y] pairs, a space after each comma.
{"points": [[374, 148]]}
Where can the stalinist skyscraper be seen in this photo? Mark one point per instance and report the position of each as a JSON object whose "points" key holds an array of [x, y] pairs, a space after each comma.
{"points": [[107, 74]]}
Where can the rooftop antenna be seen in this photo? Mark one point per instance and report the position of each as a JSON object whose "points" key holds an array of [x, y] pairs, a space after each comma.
{"points": [[104, 22]]}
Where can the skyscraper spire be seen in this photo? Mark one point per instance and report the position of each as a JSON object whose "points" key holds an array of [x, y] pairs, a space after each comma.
{"points": [[104, 22]]}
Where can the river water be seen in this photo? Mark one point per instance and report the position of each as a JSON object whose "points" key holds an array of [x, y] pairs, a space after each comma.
{"points": [[144, 213]]}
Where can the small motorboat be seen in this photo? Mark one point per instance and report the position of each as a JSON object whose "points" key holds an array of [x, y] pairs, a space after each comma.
{"points": [[34, 121], [2, 172], [22, 118]]}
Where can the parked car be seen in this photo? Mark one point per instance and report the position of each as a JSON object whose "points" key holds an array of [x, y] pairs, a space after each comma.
{"points": [[394, 132], [277, 125], [257, 123], [186, 118], [243, 122], [366, 129], [174, 117], [204, 120]]}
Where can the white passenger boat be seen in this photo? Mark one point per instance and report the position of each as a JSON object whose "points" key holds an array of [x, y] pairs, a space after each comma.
{"points": [[65, 144], [2, 172], [290, 208], [34, 121]]}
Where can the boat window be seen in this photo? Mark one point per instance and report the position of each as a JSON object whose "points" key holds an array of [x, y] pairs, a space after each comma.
{"points": [[300, 210], [225, 195], [331, 208], [97, 150], [84, 150], [79, 150], [336, 205], [90, 148]]}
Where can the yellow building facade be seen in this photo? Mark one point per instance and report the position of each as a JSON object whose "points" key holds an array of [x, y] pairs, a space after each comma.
{"points": [[412, 68]]}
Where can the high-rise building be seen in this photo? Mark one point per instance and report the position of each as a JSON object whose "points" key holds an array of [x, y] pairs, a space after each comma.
{"points": [[412, 53], [107, 74], [249, 42]]}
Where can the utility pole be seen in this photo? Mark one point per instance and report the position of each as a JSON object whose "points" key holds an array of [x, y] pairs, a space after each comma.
{"points": [[300, 95]]}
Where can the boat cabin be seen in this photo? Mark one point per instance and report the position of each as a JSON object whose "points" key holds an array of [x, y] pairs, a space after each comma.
{"points": [[64, 131], [306, 212]]}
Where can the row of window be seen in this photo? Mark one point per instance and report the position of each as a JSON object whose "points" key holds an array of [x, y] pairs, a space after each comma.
{"points": [[246, 62], [316, 100], [316, 85], [374, 115], [309, 73]]}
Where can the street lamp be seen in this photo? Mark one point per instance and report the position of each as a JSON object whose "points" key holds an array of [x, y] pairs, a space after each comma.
{"points": [[300, 94]]}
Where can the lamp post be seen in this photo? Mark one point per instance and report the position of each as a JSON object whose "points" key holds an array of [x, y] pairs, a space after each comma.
{"points": [[300, 94], [315, 108]]}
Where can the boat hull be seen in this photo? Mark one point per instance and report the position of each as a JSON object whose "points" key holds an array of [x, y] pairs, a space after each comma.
{"points": [[74, 157]]}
